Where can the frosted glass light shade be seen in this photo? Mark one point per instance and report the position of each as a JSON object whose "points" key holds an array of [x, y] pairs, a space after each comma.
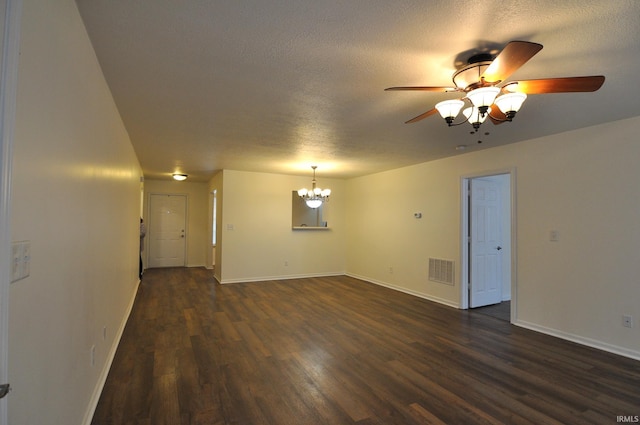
{"points": [[179, 177], [511, 102], [449, 108], [313, 203], [483, 96], [474, 116]]}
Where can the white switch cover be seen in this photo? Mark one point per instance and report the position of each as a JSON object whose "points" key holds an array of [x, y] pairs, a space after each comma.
{"points": [[16, 261], [20, 260], [26, 259]]}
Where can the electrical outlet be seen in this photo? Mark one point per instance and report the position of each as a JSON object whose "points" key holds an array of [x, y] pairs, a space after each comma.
{"points": [[104, 333], [390, 270], [627, 321]]}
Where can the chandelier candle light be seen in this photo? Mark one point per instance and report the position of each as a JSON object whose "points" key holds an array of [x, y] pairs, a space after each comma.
{"points": [[315, 196]]}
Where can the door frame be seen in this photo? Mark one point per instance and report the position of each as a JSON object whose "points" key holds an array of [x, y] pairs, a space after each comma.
{"points": [[464, 236], [9, 49]]}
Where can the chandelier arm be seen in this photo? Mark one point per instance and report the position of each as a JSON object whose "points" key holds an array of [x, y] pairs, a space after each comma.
{"points": [[452, 124]]}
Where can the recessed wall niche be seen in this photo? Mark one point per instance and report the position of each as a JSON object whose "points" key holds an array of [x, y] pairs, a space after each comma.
{"points": [[305, 218]]}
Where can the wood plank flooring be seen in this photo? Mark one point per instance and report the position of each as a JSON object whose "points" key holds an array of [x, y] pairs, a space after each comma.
{"points": [[336, 351], [500, 311]]}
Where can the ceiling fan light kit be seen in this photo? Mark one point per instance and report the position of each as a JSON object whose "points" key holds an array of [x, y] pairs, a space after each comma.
{"points": [[483, 81], [449, 109], [475, 117], [483, 97], [510, 103]]}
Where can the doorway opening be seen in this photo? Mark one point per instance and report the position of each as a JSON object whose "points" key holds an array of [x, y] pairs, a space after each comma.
{"points": [[488, 243]]}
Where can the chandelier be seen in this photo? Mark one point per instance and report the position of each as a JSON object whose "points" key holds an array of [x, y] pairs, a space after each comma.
{"points": [[315, 196], [481, 101]]}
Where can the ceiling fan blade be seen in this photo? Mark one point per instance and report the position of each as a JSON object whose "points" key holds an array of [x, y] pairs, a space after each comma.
{"points": [[557, 85], [513, 56], [496, 115], [424, 88], [422, 116]]}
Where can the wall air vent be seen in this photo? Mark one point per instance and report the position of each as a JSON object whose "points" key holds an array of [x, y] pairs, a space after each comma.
{"points": [[441, 270]]}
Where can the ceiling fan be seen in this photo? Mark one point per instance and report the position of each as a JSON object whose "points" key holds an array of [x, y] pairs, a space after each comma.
{"points": [[488, 94]]}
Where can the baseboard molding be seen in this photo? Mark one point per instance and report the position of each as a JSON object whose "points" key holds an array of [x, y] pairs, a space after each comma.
{"points": [[406, 291], [102, 379], [625, 352], [282, 277]]}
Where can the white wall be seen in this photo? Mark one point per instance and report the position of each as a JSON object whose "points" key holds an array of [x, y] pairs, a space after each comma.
{"points": [[198, 240], [256, 239], [387, 245], [582, 183], [76, 198], [216, 183]]}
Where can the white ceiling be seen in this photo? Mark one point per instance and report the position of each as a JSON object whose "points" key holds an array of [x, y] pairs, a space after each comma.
{"points": [[276, 86]]}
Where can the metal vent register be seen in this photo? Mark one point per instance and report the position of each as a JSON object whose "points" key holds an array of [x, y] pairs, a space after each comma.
{"points": [[441, 270]]}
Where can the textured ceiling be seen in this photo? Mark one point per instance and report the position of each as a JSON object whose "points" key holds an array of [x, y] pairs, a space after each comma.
{"points": [[276, 86]]}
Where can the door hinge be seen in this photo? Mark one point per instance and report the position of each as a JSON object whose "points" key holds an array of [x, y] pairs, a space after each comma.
{"points": [[4, 390]]}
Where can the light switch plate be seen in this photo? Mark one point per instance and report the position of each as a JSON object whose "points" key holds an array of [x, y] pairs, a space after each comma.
{"points": [[20, 260], [16, 261]]}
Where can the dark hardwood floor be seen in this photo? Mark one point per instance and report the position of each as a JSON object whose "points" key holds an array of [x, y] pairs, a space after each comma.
{"points": [[336, 351], [500, 311]]}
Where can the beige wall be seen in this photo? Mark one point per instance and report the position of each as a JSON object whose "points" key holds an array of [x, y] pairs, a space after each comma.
{"points": [[256, 241], [76, 198], [198, 241], [582, 183]]}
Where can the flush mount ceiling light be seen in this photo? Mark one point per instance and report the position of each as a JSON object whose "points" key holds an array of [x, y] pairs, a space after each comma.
{"points": [[315, 196], [488, 95], [179, 177]]}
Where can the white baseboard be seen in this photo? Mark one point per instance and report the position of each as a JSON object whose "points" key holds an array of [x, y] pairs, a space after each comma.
{"points": [[580, 340], [281, 277], [102, 379], [406, 291]]}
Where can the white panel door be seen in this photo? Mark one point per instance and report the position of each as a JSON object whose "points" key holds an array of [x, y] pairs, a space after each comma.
{"points": [[486, 240], [166, 235]]}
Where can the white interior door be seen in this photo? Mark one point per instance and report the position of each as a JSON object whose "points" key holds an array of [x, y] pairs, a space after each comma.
{"points": [[166, 233], [485, 249]]}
